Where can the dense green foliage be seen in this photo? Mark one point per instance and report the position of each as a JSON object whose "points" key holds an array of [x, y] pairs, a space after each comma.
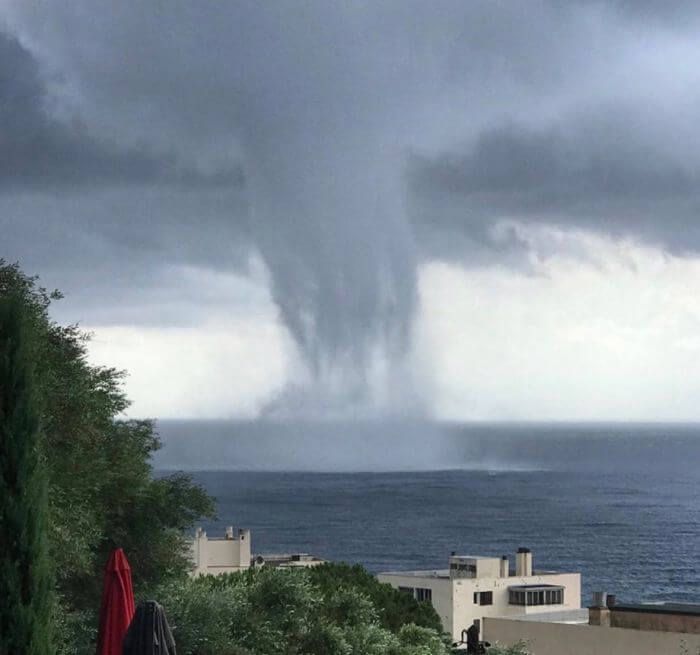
{"points": [[102, 492], [270, 611], [25, 582], [395, 609]]}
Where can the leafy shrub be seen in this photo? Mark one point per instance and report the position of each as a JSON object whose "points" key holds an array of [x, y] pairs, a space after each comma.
{"points": [[416, 640], [395, 608], [284, 611]]}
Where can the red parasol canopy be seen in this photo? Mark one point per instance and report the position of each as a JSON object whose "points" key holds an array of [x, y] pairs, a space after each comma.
{"points": [[117, 604]]}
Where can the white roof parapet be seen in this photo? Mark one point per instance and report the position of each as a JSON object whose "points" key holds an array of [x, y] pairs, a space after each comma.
{"points": [[579, 615]]}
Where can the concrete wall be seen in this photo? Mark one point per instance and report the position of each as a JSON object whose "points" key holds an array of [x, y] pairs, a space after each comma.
{"points": [[488, 567], [563, 639], [662, 621]]}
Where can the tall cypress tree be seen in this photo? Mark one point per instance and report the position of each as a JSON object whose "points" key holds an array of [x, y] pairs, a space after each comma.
{"points": [[25, 582]]}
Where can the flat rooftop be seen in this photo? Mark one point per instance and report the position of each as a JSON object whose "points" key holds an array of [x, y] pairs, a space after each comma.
{"points": [[445, 573], [438, 573], [273, 557]]}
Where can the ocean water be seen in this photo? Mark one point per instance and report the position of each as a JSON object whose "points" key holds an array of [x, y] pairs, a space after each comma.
{"points": [[619, 503]]}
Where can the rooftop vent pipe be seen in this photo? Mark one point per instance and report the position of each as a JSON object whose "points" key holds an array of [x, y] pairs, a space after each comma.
{"points": [[523, 563]]}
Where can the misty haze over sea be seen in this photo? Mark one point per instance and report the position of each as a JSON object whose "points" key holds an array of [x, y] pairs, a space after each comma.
{"points": [[324, 446], [617, 502]]}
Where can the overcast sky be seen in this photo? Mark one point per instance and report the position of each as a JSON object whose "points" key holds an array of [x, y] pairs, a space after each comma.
{"points": [[463, 210]]}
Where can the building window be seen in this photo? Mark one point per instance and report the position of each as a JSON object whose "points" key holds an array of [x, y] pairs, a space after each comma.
{"points": [[406, 590], [424, 594], [469, 569], [516, 597], [555, 597], [483, 598], [533, 597]]}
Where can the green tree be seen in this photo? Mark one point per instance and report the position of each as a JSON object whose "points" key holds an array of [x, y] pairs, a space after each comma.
{"points": [[270, 611], [416, 640], [25, 583], [396, 608], [102, 490]]}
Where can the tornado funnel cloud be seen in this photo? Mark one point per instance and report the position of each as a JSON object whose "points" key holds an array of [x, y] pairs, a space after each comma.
{"points": [[332, 233]]}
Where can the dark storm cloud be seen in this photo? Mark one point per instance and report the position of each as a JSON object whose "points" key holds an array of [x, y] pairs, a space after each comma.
{"points": [[295, 91], [533, 111], [107, 223], [39, 151], [605, 174], [520, 169]]}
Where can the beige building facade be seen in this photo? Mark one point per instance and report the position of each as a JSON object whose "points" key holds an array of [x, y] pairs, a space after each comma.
{"points": [[227, 554], [475, 588], [564, 639]]}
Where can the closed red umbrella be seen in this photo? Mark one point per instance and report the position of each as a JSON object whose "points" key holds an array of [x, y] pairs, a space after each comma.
{"points": [[117, 604]]}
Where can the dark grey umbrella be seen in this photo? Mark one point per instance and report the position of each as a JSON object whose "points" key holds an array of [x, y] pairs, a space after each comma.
{"points": [[149, 632]]}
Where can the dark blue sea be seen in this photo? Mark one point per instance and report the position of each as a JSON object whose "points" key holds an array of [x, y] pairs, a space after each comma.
{"points": [[619, 503]]}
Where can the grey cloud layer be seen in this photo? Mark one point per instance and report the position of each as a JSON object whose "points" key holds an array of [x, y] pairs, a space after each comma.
{"points": [[40, 151], [578, 113], [100, 220], [606, 176]]}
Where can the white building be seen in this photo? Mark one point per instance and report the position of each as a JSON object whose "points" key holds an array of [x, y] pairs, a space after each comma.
{"points": [[232, 552], [477, 587], [221, 555]]}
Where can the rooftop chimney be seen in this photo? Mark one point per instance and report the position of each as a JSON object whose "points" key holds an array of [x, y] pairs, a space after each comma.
{"points": [[600, 599], [523, 563], [505, 566], [599, 612], [229, 532]]}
